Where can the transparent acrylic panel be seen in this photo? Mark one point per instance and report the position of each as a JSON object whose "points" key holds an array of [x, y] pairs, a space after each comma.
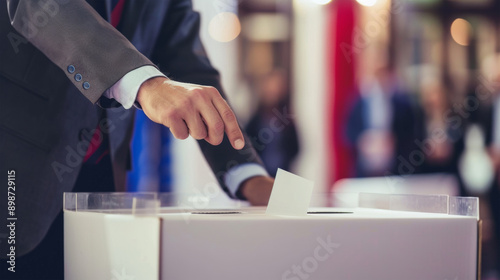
{"points": [[135, 203], [464, 206], [442, 204], [144, 203], [403, 202], [161, 203]]}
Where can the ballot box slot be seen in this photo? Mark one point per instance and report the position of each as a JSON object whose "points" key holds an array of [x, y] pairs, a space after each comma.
{"points": [[329, 212], [217, 212]]}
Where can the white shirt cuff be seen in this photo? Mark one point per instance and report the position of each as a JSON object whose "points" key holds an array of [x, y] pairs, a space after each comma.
{"points": [[238, 174], [126, 89]]}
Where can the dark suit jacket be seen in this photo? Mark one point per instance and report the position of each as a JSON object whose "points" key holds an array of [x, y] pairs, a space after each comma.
{"points": [[47, 112], [402, 126]]}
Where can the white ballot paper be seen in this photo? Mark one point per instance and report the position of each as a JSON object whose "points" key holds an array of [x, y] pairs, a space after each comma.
{"points": [[290, 196]]}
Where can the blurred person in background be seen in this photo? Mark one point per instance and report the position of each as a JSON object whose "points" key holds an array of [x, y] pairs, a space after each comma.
{"points": [[276, 141], [437, 138], [380, 126], [488, 117]]}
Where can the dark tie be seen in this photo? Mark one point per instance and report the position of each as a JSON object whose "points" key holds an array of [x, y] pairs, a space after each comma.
{"points": [[116, 12], [98, 147]]}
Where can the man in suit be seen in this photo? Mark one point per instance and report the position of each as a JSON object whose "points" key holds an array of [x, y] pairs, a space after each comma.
{"points": [[68, 79], [379, 125]]}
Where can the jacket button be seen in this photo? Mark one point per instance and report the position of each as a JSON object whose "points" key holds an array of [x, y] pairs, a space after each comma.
{"points": [[71, 69], [78, 77], [86, 85]]}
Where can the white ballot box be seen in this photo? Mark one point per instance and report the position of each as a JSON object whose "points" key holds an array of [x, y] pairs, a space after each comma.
{"points": [[147, 236]]}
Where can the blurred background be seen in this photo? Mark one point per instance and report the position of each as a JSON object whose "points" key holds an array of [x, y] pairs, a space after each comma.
{"points": [[395, 96]]}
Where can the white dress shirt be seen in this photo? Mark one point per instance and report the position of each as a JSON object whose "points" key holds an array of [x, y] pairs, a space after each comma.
{"points": [[125, 92]]}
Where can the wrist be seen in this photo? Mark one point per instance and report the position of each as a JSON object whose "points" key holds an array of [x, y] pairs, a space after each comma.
{"points": [[256, 190], [148, 86]]}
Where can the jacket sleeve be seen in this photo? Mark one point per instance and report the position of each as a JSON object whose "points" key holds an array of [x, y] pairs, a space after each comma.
{"points": [[92, 53], [180, 54]]}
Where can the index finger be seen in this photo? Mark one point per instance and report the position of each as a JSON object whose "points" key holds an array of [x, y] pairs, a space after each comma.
{"points": [[231, 126]]}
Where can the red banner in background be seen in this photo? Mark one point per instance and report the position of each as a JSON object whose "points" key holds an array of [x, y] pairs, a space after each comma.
{"points": [[342, 69]]}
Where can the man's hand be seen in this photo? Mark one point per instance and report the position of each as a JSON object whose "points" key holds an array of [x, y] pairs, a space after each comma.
{"points": [[257, 190], [189, 109]]}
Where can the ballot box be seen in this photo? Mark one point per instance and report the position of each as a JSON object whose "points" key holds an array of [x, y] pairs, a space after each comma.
{"points": [[124, 236]]}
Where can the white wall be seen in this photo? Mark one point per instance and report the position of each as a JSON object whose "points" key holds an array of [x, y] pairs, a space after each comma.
{"points": [[309, 90]]}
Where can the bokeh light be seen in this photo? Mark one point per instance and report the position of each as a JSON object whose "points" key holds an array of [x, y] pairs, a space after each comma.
{"points": [[367, 3], [224, 27], [321, 2], [461, 31]]}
